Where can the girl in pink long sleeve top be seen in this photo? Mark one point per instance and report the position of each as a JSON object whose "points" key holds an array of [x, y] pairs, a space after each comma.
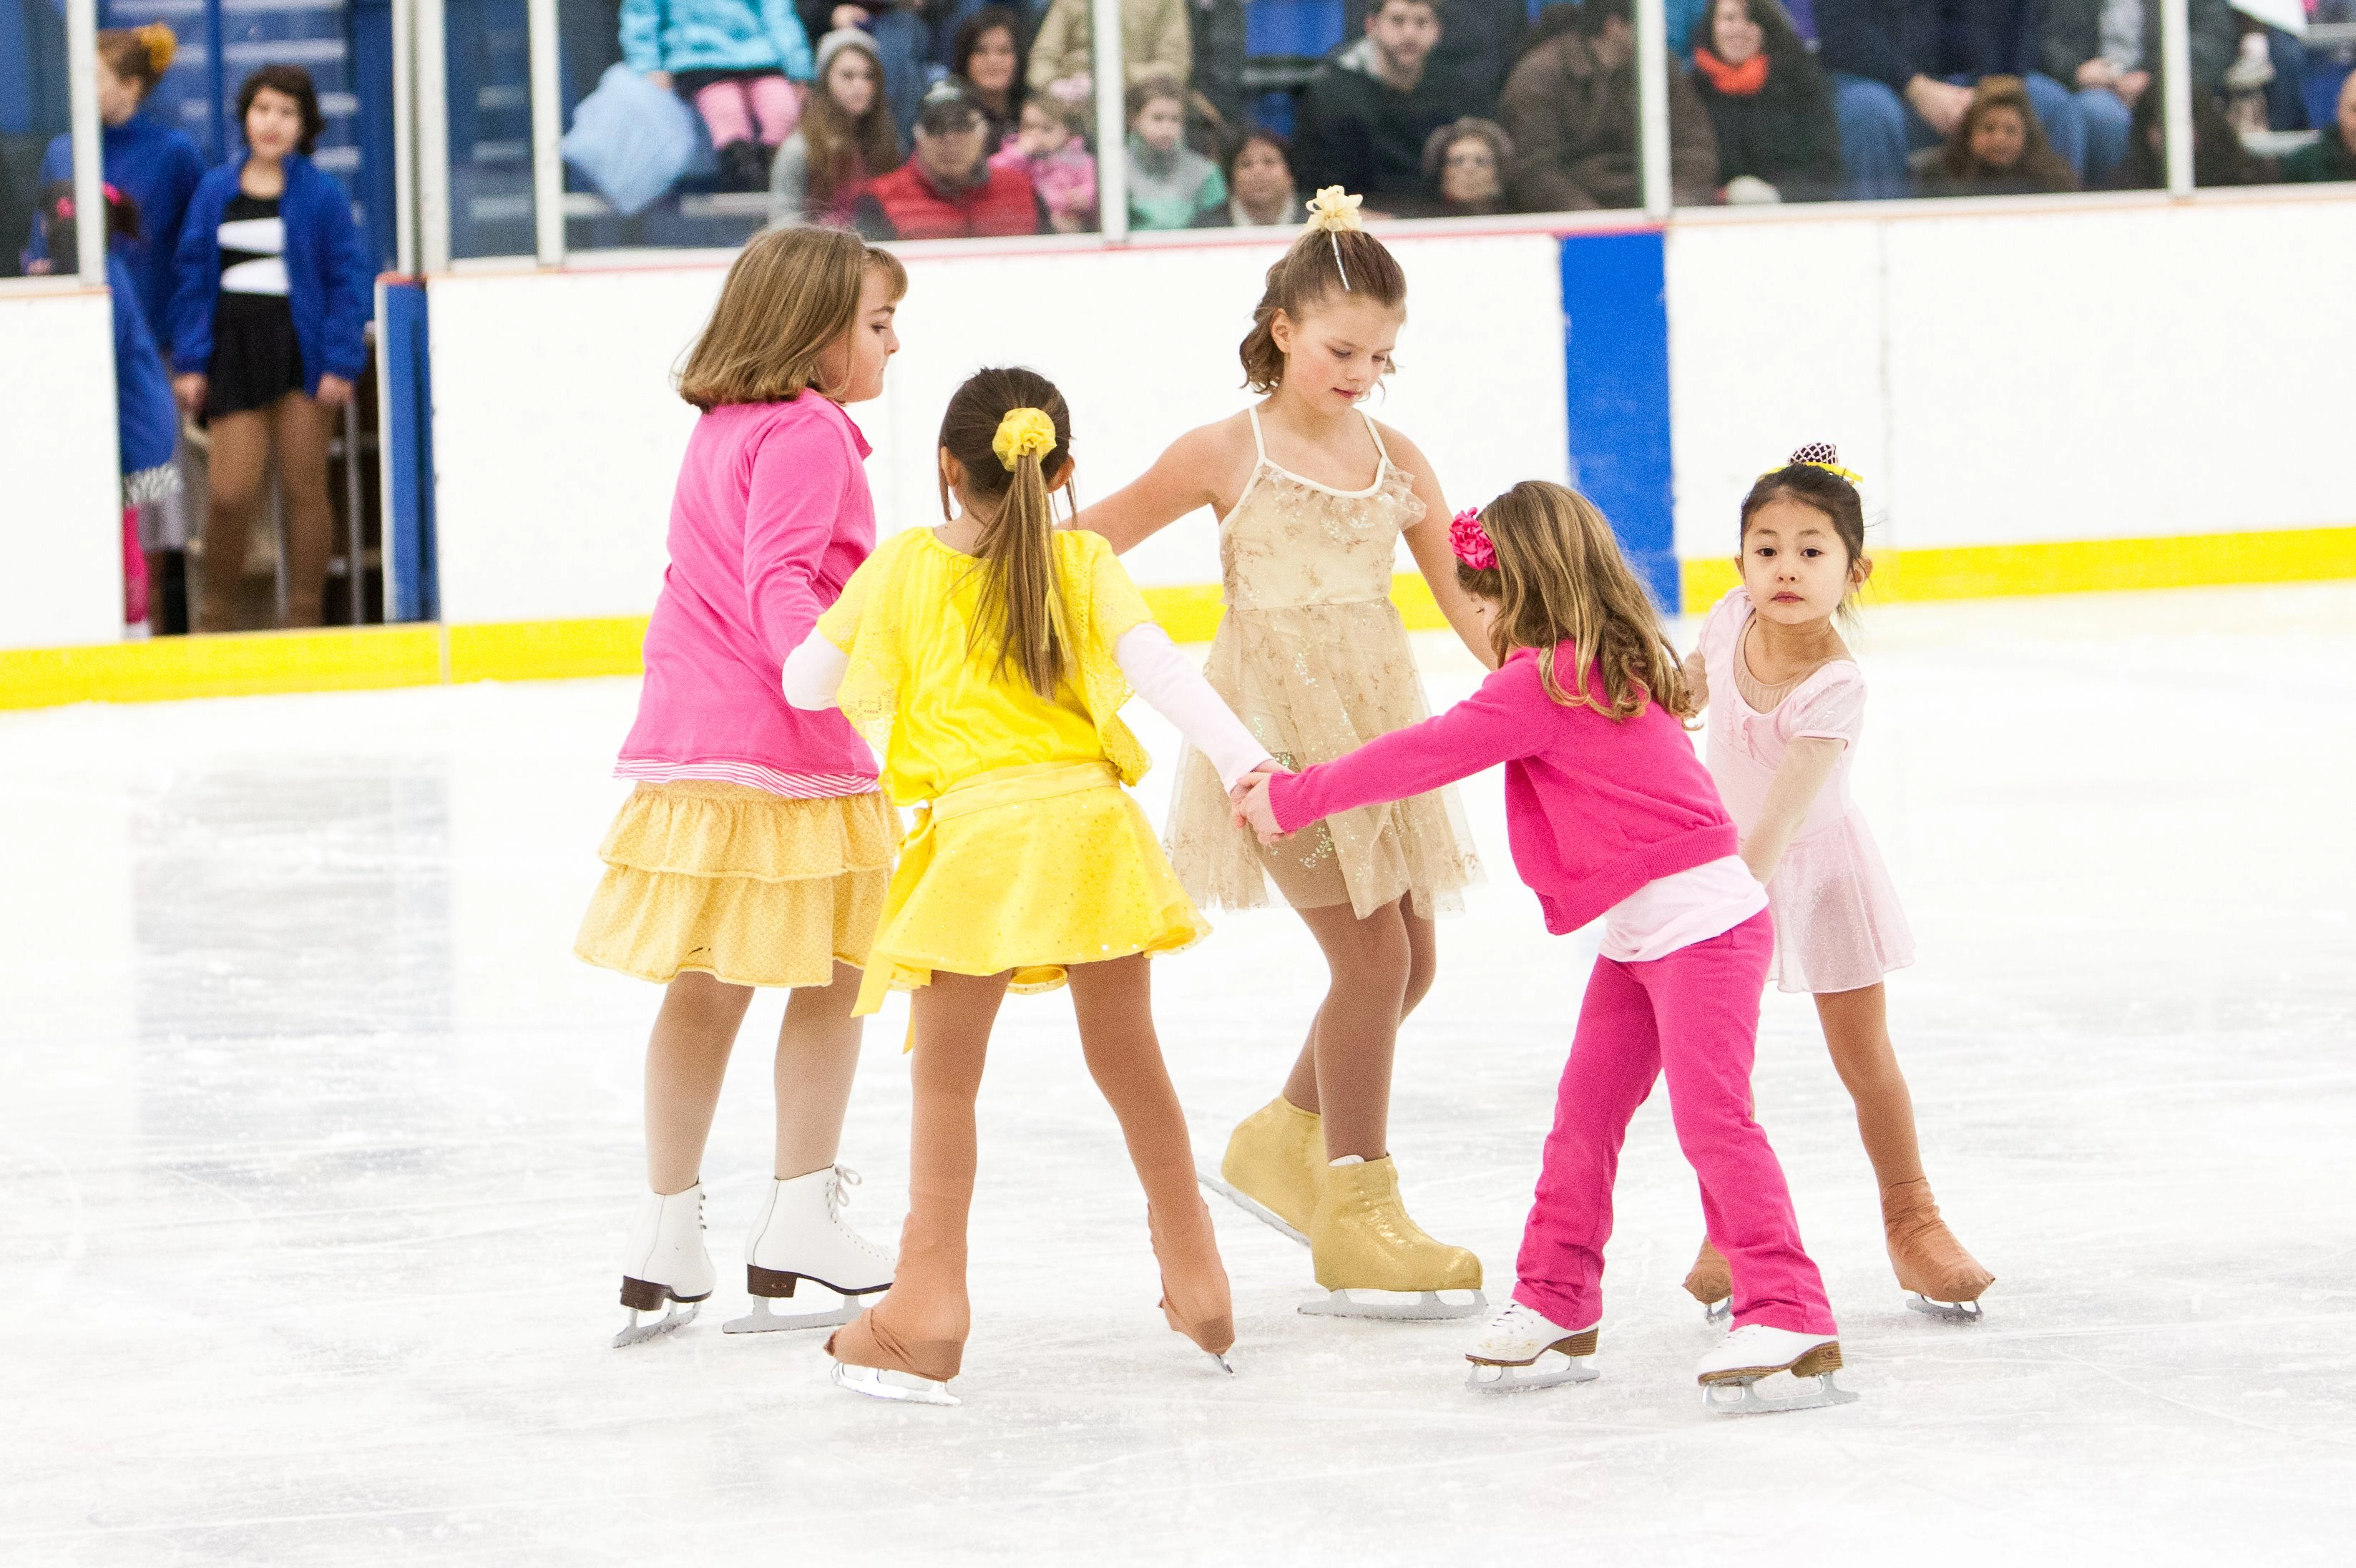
{"points": [[1611, 816], [756, 848]]}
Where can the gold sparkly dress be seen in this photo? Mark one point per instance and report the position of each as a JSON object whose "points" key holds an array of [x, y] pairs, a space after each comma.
{"points": [[1312, 657]]}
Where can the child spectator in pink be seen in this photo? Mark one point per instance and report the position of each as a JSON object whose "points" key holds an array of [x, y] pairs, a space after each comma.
{"points": [[1048, 148], [1787, 705], [1610, 814]]}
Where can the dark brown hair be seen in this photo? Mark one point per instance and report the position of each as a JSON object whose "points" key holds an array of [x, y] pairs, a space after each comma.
{"points": [[1022, 600], [1816, 488], [843, 151], [1561, 578], [2038, 162], [139, 54], [295, 83], [1151, 91], [1302, 278], [969, 38], [792, 294]]}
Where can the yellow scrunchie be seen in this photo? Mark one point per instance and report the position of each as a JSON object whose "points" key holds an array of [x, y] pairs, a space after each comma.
{"points": [[1024, 433], [1334, 210], [160, 44]]}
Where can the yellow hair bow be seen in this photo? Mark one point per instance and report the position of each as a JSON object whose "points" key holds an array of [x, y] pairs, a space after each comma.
{"points": [[1024, 433], [1334, 210]]}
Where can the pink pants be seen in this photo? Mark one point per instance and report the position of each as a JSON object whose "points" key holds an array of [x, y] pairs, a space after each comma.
{"points": [[1694, 1016], [135, 570], [729, 108]]}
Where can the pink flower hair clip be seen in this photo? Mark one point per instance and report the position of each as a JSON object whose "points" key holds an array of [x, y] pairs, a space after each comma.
{"points": [[1471, 541]]}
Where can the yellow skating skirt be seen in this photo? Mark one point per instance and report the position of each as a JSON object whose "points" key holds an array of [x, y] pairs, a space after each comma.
{"points": [[753, 888], [1031, 869]]}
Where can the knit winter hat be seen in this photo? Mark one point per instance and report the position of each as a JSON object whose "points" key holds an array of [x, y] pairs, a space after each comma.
{"points": [[842, 38]]}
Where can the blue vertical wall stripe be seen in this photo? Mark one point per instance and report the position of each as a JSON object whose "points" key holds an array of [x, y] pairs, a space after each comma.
{"points": [[1615, 356], [409, 450]]}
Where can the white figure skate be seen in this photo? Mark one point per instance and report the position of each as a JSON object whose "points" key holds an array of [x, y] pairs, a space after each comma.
{"points": [[881, 1382], [664, 1267], [799, 1237], [1756, 1351], [1521, 1349]]}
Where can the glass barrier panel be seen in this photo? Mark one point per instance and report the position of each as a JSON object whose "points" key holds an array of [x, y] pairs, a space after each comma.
{"points": [[35, 141], [2289, 102], [488, 59], [907, 122]]}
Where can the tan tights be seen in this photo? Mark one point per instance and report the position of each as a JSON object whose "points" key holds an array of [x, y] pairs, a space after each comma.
{"points": [[299, 427], [1379, 968], [817, 1052], [921, 1325], [1856, 1031]]}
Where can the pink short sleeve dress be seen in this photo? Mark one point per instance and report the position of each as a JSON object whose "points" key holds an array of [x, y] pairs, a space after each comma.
{"points": [[1838, 926]]}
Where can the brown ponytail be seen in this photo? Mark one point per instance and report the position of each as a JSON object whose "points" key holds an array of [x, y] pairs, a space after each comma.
{"points": [[1021, 602], [1352, 265]]}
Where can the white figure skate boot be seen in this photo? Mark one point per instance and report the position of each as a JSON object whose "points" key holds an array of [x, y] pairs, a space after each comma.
{"points": [[1755, 1351], [800, 1236], [1521, 1349], [664, 1267]]}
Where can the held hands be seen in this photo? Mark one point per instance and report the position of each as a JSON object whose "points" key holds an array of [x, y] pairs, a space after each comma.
{"points": [[1252, 809]]}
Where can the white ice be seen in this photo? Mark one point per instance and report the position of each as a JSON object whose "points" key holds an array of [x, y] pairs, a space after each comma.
{"points": [[316, 1147]]}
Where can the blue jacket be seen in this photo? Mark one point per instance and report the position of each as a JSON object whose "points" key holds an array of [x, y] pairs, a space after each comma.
{"points": [[146, 424], [715, 35], [1892, 41], [328, 278], [157, 167]]}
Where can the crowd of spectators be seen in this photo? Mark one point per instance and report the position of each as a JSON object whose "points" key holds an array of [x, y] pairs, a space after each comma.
{"points": [[950, 117]]}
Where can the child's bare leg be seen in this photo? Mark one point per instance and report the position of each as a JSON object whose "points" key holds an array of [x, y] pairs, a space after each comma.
{"points": [[922, 1324], [1344, 1074], [818, 1056], [1924, 1253], [1857, 1031], [1114, 1004], [686, 1059]]}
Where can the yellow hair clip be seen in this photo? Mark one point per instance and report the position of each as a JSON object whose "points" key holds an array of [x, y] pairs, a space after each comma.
{"points": [[1024, 433]]}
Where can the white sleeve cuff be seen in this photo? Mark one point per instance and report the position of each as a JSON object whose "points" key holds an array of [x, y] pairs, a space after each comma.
{"points": [[814, 672], [1174, 688]]}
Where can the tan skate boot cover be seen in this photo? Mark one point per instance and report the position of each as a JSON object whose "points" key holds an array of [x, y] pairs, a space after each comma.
{"points": [[1709, 1281], [1929, 1259], [1195, 1296], [1361, 1237], [1276, 1157]]}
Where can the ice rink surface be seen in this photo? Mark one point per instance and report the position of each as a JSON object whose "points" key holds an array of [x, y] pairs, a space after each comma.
{"points": [[317, 1148]]}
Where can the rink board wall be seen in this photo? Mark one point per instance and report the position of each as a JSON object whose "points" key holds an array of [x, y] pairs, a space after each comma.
{"points": [[60, 485], [2120, 393]]}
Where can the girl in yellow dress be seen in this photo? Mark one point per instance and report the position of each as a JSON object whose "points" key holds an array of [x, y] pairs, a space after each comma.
{"points": [[989, 659]]}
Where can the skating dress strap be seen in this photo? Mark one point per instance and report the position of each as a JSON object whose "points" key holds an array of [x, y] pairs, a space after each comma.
{"points": [[1292, 541]]}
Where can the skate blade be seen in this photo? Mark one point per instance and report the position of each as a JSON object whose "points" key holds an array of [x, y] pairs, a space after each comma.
{"points": [[1747, 1400], [1718, 1311], [1224, 1365], [1944, 1311], [635, 1332], [1257, 1210], [762, 1320], [1399, 1305], [1551, 1369], [901, 1388]]}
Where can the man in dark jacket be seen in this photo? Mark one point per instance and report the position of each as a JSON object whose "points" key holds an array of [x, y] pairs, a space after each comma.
{"points": [[1365, 116], [1570, 108], [1903, 72], [2107, 52], [948, 191], [1479, 44]]}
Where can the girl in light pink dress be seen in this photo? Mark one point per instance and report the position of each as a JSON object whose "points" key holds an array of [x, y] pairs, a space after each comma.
{"points": [[1786, 708]]}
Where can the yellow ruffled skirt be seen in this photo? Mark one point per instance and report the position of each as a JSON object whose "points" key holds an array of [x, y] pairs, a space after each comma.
{"points": [[1031, 869], [752, 888]]}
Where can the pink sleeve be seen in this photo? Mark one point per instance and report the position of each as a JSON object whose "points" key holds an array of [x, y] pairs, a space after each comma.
{"points": [[799, 471], [1495, 725], [1835, 710], [1723, 624]]}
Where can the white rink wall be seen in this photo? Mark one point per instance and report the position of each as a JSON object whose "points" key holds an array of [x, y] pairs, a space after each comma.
{"points": [[557, 435], [60, 481], [2121, 370]]}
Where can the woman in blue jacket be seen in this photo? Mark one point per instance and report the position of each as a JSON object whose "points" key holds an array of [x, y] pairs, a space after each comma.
{"points": [[267, 320]]}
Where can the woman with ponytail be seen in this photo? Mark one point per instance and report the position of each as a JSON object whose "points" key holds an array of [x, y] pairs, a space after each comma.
{"points": [[988, 659]]}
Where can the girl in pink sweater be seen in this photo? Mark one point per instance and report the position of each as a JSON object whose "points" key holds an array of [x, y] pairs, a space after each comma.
{"points": [[1611, 816], [755, 850]]}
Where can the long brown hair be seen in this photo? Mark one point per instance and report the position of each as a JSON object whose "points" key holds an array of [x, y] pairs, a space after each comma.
{"points": [[1022, 600], [843, 150], [2039, 161], [1561, 578], [1303, 277], [792, 294]]}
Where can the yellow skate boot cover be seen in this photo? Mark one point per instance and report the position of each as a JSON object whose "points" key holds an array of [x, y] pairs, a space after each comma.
{"points": [[1375, 1260], [1275, 1160]]}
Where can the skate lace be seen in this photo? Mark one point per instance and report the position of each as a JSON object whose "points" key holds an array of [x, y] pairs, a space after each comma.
{"points": [[838, 1198]]}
